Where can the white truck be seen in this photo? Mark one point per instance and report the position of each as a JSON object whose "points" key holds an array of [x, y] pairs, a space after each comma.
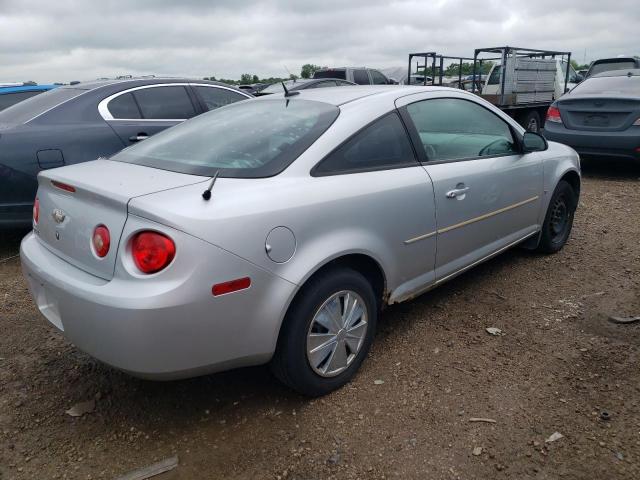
{"points": [[526, 87]]}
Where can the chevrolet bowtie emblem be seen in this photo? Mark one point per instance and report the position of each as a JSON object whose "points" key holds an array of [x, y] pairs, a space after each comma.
{"points": [[58, 215]]}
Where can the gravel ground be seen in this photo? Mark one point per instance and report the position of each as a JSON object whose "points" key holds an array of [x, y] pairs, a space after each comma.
{"points": [[559, 366]]}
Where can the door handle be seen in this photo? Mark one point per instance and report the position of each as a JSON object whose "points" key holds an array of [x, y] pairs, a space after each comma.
{"points": [[139, 137], [459, 190]]}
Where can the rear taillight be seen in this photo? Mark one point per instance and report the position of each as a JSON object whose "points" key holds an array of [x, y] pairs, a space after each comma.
{"points": [[36, 211], [553, 115], [101, 241], [152, 251]]}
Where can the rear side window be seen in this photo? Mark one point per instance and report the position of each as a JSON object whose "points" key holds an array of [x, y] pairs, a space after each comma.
{"points": [[451, 128], [9, 99], [124, 107], [378, 78], [340, 73], [165, 103], [382, 145], [361, 77], [214, 97]]}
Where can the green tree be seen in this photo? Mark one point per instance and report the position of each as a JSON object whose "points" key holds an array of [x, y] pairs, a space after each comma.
{"points": [[576, 66], [308, 69], [467, 68], [293, 77], [246, 78], [255, 79]]}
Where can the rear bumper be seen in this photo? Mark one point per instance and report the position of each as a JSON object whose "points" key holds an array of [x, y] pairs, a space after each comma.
{"points": [[163, 326], [597, 144]]}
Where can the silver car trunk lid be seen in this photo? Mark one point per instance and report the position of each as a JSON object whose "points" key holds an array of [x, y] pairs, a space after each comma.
{"points": [[102, 190], [599, 113]]}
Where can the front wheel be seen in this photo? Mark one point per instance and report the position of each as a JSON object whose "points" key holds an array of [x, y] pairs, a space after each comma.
{"points": [[558, 219], [327, 332], [531, 122]]}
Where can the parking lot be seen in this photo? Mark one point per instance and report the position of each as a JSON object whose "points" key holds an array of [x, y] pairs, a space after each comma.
{"points": [[560, 366]]}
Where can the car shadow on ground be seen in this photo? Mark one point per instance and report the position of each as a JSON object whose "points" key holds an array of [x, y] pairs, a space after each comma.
{"points": [[610, 168]]}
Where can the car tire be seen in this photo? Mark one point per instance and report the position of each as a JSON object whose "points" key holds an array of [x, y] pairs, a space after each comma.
{"points": [[306, 358], [531, 122], [558, 219]]}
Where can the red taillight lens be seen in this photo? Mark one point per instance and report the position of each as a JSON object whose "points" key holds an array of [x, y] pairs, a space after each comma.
{"points": [[101, 240], [553, 115], [231, 286], [152, 251], [63, 186], [36, 211]]}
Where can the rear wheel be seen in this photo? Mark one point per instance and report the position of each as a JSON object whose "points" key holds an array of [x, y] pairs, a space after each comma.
{"points": [[327, 332], [559, 218]]}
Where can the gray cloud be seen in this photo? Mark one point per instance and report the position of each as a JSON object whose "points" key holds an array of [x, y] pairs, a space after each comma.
{"points": [[67, 39]]}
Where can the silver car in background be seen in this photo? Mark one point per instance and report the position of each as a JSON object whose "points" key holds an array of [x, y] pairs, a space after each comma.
{"points": [[276, 229]]}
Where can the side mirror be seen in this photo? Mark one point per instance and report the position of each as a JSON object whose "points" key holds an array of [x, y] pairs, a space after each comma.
{"points": [[533, 142], [392, 81], [578, 78]]}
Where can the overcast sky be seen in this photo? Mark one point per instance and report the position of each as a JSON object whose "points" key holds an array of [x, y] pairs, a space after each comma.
{"points": [[62, 40]]}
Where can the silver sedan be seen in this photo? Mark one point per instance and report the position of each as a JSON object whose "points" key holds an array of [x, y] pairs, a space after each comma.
{"points": [[276, 229]]}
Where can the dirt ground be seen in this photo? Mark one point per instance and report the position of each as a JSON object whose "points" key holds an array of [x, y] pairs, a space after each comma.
{"points": [[560, 366]]}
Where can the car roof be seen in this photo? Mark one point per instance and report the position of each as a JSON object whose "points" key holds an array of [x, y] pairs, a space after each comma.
{"points": [[630, 72], [340, 95], [26, 88], [135, 82]]}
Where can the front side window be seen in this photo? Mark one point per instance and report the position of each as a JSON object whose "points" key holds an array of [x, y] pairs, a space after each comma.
{"points": [[361, 77], [451, 128], [252, 139], [382, 145], [494, 78], [165, 103], [124, 107], [214, 97]]}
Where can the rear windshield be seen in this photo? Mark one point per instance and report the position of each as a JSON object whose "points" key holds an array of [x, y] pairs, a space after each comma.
{"points": [[622, 85], [31, 107], [341, 74], [610, 66], [250, 139], [8, 99], [277, 87]]}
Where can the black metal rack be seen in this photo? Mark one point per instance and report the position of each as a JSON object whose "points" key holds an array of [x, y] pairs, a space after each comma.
{"points": [[504, 52], [433, 57]]}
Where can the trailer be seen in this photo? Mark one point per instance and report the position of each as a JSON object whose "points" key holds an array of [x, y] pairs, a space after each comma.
{"points": [[523, 82]]}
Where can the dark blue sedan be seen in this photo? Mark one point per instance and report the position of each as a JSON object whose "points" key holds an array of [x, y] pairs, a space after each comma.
{"points": [[600, 117], [81, 122]]}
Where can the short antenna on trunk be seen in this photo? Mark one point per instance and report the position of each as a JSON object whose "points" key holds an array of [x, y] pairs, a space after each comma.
{"points": [[207, 193]]}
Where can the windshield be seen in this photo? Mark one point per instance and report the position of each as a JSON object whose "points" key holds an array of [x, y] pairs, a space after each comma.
{"points": [[249, 139], [622, 85], [31, 107], [277, 87], [338, 73]]}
